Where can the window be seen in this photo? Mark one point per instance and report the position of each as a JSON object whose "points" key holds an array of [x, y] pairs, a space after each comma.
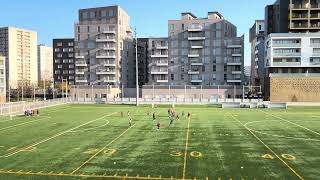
{"points": [[57, 61], [57, 72], [79, 30], [182, 27], [59, 44], [71, 66], [70, 44], [214, 68], [111, 12], [59, 55], [172, 27], [59, 66], [172, 76], [65, 60], [70, 60], [56, 50], [70, 55]]}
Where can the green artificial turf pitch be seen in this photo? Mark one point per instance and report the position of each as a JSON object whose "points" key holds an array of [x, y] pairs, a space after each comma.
{"points": [[71, 142]]}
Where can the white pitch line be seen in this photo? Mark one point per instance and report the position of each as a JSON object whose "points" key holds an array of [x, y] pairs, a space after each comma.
{"points": [[23, 123], [292, 123], [274, 135], [83, 130], [78, 168], [54, 136], [274, 153]]}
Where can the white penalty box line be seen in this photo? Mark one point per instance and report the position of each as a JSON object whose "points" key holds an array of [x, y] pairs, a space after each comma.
{"points": [[54, 136]]}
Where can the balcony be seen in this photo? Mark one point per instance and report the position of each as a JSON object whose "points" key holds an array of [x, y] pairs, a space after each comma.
{"points": [[193, 55], [234, 81], [286, 54], [100, 72], [196, 47], [299, 7], [109, 80], [236, 72], [234, 46], [236, 55], [162, 47], [234, 63], [196, 38], [105, 56], [286, 64], [196, 80], [81, 80], [193, 72], [286, 44], [109, 64], [162, 64], [106, 39], [195, 28], [109, 48], [81, 64], [109, 32], [79, 72], [196, 63], [79, 57], [162, 81], [159, 72], [256, 59], [159, 56]]}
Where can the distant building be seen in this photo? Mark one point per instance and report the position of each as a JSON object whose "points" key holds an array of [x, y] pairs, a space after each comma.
{"points": [[293, 53], [19, 46], [103, 46], [290, 54], [2, 79], [247, 75], [63, 61], [45, 63], [158, 62], [292, 16], [204, 51], [257, 40]]}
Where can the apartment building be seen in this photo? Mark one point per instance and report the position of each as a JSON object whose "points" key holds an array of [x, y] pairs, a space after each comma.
{"points": [[2, 79], [143, 61], [45, 63], [158, 61], [292, 16], [257, 40], [204, 51], [293, 53], [19, 46], [103, 45], [63, 61]]}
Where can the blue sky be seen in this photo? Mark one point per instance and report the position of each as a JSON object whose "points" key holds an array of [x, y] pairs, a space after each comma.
{"points": [[55, 18]]}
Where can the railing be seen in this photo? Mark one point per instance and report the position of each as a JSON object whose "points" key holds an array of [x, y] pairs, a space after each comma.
{"points": [[18, 108]]}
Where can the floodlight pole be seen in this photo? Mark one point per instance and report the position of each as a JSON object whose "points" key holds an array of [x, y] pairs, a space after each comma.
{"points": [[137, 77]]}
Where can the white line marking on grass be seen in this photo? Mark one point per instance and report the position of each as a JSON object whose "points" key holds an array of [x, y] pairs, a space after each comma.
{"points": [[102, 149], [278, 117], [186, 150], [295, 172], [274, 135], [24, 123], [54, 136], [83, 130]]}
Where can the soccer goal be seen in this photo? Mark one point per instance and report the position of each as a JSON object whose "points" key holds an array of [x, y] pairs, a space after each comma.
{"points": [[277, 105], [231, 105]]}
